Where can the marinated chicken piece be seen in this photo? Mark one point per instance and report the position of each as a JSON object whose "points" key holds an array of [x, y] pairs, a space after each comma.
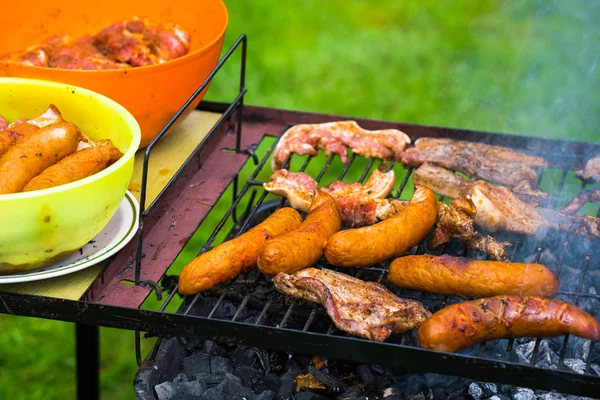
{"points": [[35, 56], [456, 221], [493, 163], [359, 204], [335, 137], [586, 196], [500, 209], [365, 309], [591, 171], [140, 42], [447, 183], [81, 54]]}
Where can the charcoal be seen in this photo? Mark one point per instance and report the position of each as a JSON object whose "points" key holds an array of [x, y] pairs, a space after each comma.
{"points": [[365, 374], [546, 358], [208, 346], [575, 364], [286, 389], [378, 369], [580, 347], [209, 379], [266, 395], [196, 364], [269, 382], [523, 394], [169, 390], [551, 396], [191, 344], [220, 365], [361, 397], [499, 397], [215, 393], [595, 368], [308, 395], [381, 383], [351, 392], [476, 391], [391, 392], [490, 387], [329, 380], [248, 375], [234, 390], [181, 378]]}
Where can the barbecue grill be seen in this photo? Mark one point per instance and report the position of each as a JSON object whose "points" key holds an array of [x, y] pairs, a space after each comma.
{"points": [[223, 178]]}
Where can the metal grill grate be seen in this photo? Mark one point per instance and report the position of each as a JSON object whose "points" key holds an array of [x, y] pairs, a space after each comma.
{"points": [[310, 321]]}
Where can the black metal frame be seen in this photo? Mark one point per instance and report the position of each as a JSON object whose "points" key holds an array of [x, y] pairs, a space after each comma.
{"points": [[331, 344]]}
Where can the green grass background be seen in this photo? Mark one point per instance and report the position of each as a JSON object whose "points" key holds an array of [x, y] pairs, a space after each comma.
{"points": [[524, 67]]}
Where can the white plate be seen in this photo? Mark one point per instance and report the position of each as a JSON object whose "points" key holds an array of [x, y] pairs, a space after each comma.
{"points": [[121, 228]]}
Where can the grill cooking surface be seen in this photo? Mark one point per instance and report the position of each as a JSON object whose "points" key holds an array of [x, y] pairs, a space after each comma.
{"points": [[251, 300]]}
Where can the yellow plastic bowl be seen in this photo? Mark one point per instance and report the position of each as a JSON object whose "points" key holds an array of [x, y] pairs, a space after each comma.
{"points": [[40, 227]]}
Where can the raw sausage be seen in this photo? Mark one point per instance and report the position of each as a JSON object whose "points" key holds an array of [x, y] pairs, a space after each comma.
{"points": [[472, 278], [388, 239], [236, 256], [76, 166], [35, 153], [302, 247], [502, 317]]}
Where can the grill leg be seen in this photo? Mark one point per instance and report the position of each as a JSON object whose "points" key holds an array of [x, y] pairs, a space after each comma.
{"points": [[88, 347]]}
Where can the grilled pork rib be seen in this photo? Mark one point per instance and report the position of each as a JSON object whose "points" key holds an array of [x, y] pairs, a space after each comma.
{"points": [[500, 209], [335, 137], [585, 196], [359, 204], [493, 163], [365, 309]]}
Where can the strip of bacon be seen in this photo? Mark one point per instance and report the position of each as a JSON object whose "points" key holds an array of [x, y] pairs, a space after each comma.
{"points": [[335, 137]]}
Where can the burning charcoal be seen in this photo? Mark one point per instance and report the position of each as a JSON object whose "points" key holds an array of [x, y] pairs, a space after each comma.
{"points": [[266, 395], [196, 363], [499, 397], [490, 387], [365, 375], [220, 365], [575, 364], [332, 382], [248, 375], [181, 378], [288, 383], [214, 394], [580, 346], [269, 382], [476, 391], [595, 368], [351, 392], [307, 395], [378, 369], [169, 390], [523, 394], [209, 379], [546, 358]]}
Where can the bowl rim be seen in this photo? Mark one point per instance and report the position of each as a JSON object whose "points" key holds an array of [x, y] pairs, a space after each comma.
{"points": [[128, 119], [143, 69]]}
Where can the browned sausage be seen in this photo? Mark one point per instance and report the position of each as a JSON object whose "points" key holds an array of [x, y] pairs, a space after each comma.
{"points": [[472, 278], [35, 153], [16, 131], [503, 317], [236, 256], [302, 247], [76, 166], [387, 239]]}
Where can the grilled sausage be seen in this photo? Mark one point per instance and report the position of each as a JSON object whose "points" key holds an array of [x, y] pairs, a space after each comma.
{"points": [[471, 278], [35, 153], [503, 317], [236, 256], [387, 239], [302, 247], [76, 166]]}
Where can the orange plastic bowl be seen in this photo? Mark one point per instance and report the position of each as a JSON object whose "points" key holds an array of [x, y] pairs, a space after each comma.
{"points": [[151, 94]]}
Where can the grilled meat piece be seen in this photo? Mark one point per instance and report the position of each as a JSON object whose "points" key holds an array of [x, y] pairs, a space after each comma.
{"points": [[456, 221], [500, 209], [365, 309], [447, 183], [493, 163], [591, 171], [334, 137], [359, 204], [586, 196]]}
